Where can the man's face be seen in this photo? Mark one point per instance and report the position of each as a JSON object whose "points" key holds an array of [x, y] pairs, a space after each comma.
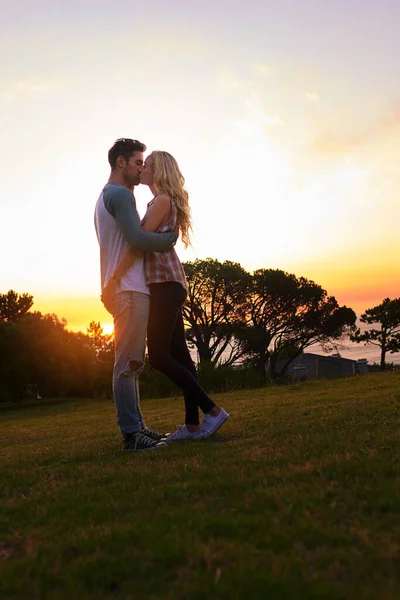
{"points": [[133, 168]]}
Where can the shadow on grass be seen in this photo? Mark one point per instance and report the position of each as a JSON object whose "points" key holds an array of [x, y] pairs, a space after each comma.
{"points": [[30, 406], [223, 439]]}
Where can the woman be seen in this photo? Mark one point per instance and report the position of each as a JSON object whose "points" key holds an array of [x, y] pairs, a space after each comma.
{"points": [[168, 352]]}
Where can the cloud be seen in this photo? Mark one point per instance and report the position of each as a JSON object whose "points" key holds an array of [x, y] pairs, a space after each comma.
{"points": [[312, 96], [30, 85], [262, 69], [230, 84], [229, 79], [333, 142], [257, 111]]}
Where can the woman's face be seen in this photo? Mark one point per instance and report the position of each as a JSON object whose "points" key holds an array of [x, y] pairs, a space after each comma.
{"points": [[147, 174]]}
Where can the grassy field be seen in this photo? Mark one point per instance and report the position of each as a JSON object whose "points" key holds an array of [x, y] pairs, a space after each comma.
{"points": [[298, 496]]}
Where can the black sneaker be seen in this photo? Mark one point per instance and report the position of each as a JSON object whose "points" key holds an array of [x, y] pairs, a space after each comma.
{"points": [[154, 435], [138, 441]]}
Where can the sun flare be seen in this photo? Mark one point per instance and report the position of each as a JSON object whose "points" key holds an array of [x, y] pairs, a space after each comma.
{"points": [[108, 328]]}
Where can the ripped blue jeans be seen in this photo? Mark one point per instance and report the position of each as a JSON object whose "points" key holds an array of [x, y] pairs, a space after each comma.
{"points": [[130, 311]]}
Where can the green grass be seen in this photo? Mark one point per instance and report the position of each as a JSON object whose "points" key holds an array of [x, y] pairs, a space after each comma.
{"points": [[298, 496]]}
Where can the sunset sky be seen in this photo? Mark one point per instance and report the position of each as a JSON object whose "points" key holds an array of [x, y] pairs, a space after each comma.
{"points": [[284, 117]]}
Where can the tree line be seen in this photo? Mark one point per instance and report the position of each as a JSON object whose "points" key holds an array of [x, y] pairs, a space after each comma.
{"points": [[238, 322], [270, 315]]}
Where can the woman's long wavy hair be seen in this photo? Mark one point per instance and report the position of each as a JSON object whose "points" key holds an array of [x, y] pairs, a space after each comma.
{"points": [[168, 179]]}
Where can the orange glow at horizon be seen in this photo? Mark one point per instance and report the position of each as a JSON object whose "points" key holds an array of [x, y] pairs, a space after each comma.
{"points": [[79, 311], [359, 288]]}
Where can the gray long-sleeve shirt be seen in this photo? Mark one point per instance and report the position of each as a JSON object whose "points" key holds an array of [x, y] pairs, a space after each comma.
{"points": [[117, 224]]}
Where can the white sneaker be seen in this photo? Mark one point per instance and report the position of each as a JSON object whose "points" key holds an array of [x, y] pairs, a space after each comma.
{"points": [[211, 424], [182, 433]]}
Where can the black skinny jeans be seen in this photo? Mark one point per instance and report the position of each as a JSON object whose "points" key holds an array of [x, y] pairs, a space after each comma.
{"points": [[168, 351]]}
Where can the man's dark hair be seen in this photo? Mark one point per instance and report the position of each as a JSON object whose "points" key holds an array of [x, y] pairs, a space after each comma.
{"points": [[124, 147]]}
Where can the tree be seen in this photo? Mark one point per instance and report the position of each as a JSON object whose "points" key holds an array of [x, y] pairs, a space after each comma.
{"points": [[13, 306], [40, 356], [102, 343], [288, 314], [216, 308], [387, 337], [33, 356], [103, 360]]}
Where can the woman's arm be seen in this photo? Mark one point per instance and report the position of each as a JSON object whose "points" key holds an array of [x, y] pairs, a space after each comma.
{"points": [[160, 209]]}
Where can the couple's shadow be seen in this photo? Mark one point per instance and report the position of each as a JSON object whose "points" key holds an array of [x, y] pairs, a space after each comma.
{"points": [[222, 439]]}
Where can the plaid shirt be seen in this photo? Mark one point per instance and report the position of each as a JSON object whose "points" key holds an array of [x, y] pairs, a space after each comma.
{"points": [[161, 267]]}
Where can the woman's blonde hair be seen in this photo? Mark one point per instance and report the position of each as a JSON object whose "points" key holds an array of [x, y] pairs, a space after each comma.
{"points": [[169, 180]]}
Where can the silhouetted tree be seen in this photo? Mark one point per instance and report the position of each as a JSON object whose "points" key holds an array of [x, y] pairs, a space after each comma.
{"points": [[216, 308], [33, 356], [103, 344], [288, 314], [40, 356], [387, 337], [13, 306]]}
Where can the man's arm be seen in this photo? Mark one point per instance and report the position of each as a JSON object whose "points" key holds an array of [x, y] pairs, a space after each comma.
{"points": [[160, 209], [121, 205]]}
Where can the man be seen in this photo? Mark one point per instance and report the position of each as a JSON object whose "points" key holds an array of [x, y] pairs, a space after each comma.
{"points": [[117, 225]]}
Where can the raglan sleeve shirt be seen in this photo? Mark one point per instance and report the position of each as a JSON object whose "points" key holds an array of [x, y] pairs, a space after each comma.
{"points": [[121, 205]]}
